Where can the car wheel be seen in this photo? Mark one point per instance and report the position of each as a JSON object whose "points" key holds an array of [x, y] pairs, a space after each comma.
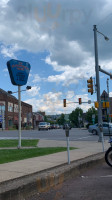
{"points": [[94, 132]]}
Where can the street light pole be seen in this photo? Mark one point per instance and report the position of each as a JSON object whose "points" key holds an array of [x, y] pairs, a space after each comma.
{"points": [[19, 114], [98, 88], [109, 118], [19, 111]]}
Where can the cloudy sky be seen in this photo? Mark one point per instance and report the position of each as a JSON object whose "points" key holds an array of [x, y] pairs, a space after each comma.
{"points": [[56, 37]]}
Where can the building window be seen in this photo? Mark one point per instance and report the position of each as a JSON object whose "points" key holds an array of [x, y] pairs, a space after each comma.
{"points": [[10, 107], [15, 108]]}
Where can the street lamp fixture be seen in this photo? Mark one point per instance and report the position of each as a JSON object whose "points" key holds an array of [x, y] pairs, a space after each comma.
{"points": [[105, 37], [27, 88]]}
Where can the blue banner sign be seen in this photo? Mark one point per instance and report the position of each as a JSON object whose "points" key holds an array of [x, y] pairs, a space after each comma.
{"points": [[19, 71]]}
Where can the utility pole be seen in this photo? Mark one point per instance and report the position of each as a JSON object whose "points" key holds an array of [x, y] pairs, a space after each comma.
{"points": [[109, 119], [98, 88]]}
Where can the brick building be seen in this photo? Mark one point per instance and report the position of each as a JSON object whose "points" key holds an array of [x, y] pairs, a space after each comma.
{"points": [[105, 111], [38, 117], [9, 111]]}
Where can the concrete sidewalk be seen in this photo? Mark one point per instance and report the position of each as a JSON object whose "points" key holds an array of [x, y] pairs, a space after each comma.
{"points": [[20, 168], [28, 167]]}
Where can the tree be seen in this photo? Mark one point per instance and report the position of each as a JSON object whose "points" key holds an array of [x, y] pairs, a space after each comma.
{"points": [[74, 116], [91, 111], [45, 118], [61, 119]]}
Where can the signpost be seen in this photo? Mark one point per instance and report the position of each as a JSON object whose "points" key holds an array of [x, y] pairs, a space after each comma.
{"points": [[19, 72], [67, 138]]}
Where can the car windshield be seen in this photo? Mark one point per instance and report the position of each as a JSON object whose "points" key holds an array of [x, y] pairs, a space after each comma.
{"points": [[42, 123]]}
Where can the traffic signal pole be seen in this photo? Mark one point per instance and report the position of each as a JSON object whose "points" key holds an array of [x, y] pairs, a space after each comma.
{"points": [[98, 89]]}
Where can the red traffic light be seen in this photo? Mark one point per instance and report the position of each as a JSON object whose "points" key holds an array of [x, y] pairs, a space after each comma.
{"points": [[80, 100], [64, 102]]}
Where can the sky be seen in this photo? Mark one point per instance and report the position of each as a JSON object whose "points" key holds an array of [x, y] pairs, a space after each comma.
{"points": [[56, 37]]}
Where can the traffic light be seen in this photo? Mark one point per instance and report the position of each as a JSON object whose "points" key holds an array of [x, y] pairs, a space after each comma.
{"points": [[90, 85], [96, 104], [64, 102], [105, 104], [80, 101]]}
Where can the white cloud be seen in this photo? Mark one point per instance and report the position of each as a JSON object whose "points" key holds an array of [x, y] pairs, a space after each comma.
{"points": [[33, 91], [36, 78], [70, 95], [53, 103], [9, 51], [5, 70], [3, 3], [110, 94], [73, 75]]}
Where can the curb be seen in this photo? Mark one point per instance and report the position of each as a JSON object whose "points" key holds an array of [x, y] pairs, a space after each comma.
{"points": [[43, 181]]}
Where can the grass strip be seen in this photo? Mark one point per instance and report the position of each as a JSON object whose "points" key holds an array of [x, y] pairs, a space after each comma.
{"points": [[14, 143], [10, 155]]}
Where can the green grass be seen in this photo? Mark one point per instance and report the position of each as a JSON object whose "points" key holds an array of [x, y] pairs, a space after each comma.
{"points": [[10, 155], [14, 143]]}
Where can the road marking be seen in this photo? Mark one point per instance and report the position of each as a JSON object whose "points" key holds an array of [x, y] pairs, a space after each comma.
{"points": [[106, 176], [82, 138]]}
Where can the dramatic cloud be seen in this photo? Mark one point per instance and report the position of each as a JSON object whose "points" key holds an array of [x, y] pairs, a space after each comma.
{"points": [[63, 29]]}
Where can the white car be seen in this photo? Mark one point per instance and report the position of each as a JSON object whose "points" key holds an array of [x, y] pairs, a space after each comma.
{"points": [[49, 125], [43, 126]]}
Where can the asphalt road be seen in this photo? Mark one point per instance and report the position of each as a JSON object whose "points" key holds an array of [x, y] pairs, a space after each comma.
{"points": [[93, 184], [76, 134]]}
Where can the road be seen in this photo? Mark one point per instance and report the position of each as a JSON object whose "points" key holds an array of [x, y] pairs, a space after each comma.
{"points": [[93, 184], [76, 134]]}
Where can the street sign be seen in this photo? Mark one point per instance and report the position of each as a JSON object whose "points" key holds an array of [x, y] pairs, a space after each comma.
{"points": [[93, 116], [89, 101], [19, 71]]}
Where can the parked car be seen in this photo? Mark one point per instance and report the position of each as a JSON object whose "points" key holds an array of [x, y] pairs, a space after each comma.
{"points": [[57, 126], [107, 128], [53, 126], [49, 126], [43, 126]]}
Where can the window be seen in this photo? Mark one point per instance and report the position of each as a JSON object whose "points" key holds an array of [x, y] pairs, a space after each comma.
{"points": [[105, 125], [10, 107], [15, 108]]}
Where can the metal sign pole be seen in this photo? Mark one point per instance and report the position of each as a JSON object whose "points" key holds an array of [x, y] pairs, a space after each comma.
{"points": [[67, 138], [68, 150], [19, 113]]}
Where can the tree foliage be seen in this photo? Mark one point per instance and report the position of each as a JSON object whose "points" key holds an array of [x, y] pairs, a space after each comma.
{"points": [[89, 114], [61, 120], [74, 116]]}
